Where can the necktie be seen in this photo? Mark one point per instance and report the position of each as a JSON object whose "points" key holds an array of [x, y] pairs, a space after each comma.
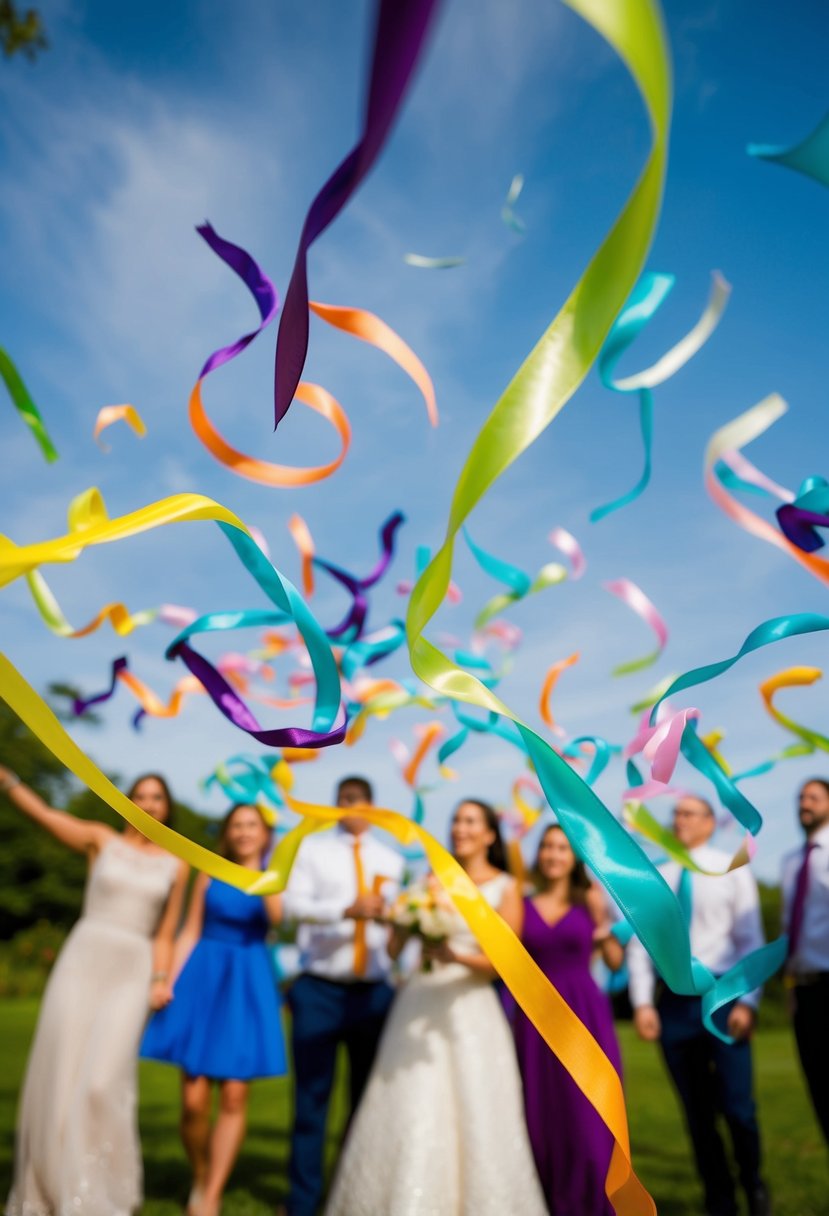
{"points": [[801, 887], [684, 895], [360, 948]]}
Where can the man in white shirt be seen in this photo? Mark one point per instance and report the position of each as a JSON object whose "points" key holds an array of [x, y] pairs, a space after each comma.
{"points": [[806, 920], [711, 1077], [338, 886]]}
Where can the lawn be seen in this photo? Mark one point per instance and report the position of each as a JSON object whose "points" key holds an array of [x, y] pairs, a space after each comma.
{"points": [[796, 1163]]}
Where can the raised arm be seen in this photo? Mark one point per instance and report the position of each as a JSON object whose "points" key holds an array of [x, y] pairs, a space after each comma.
{"points": [[161, 987], [82, 835], [612, 950]]}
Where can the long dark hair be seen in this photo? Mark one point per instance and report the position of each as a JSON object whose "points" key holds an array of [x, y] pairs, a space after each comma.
{"points": [[241, 806], [579, 882], [496, 854], [168, 818]]}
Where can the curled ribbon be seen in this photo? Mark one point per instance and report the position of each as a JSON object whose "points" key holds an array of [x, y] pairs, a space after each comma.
{"points": [[810, 510], [423, 262], [733, 437], [507, 213], [649, 294], [402, 26], [120, 618], [793, 677], [119, 413], [519, 583], [638, 602], [550, 681]]}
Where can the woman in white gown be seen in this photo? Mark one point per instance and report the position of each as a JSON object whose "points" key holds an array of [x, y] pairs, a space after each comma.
{"points": [[440, 1129], [77, 1151]]}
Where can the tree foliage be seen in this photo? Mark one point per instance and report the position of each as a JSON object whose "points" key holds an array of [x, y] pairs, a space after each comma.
{"points": [[21, 32]]}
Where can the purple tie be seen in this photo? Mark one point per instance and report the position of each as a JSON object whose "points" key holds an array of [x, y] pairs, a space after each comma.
{"points": [[799, 902]]}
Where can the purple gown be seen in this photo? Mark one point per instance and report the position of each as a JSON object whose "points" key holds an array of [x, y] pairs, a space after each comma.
{"points": [[570, 1143]]}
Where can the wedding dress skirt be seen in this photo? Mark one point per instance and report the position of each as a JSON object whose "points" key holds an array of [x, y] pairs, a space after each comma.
{"points": [[440, 1130], [77, 1151]]}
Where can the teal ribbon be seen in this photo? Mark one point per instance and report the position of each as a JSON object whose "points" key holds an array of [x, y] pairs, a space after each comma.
{"points": [[645, 301], [810, 157]]}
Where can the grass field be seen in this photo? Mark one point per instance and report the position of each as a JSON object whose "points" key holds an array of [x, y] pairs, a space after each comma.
{"points": [[796, 1163]]}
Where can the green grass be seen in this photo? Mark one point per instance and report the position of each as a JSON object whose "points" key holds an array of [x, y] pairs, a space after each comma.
{"points": [[796, 1162]]}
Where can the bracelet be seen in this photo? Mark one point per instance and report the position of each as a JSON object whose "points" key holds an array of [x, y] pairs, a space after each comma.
{"points": [[9, 782], [158, 977]]}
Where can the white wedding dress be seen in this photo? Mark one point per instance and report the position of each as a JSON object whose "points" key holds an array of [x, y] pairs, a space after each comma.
{"points": [[77, 1151], [440, 1129]]}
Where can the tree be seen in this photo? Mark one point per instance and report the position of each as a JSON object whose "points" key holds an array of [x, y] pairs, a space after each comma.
{"points": [[21, 32]]}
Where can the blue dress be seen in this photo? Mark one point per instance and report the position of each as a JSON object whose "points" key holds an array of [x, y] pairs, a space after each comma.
{"points": [[224, 1020]]}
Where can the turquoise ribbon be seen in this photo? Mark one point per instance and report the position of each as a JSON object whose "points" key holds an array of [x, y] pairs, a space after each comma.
{"points": [[646, 299], [810, 157]]}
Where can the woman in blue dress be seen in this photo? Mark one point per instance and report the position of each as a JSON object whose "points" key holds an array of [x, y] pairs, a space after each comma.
{"points": [[223, 1023]]}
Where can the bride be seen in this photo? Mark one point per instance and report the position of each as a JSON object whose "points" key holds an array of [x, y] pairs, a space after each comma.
{"points": [[440, 1129]]}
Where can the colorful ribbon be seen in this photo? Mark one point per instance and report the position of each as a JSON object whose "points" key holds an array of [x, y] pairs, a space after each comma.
{"points": [[402, 26], [550, 681], [733, 437], [635, 598], [810, 157], [423, 262], [354, 621], [25, 407], [520, 583], [90, 525], [120, 618], [507, 213], [646, 299], [810, 510], [119, 413], [793, 677]]}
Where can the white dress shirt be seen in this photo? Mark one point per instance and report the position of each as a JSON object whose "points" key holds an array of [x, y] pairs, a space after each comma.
{"points": [[812, 952], [323, 883], [725, 922]]}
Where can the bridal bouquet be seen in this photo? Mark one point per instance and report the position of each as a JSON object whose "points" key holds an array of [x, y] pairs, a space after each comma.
{"points": [[420, 911]]}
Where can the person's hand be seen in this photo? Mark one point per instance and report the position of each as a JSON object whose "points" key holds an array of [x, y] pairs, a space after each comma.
{"points": [[647, 1023], [161, 993], [601, 933], [437, 952], [366, 907], [741, 1022]]}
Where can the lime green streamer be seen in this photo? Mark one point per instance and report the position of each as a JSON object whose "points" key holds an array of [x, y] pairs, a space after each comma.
{"points": [[25, 406], [543, 384]]}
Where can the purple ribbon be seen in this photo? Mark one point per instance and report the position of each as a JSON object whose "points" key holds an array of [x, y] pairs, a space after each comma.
{"points": [[401, 31], [235, 710], [357, 614], [799, 526], [254, 278], [81, 705]]}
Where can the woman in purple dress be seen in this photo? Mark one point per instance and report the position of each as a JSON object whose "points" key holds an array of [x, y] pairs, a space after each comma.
{"points": [[564, 923]]}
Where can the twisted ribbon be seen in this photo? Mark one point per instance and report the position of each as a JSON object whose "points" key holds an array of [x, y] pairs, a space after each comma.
{"points": [[402, 26], [24, 405]]}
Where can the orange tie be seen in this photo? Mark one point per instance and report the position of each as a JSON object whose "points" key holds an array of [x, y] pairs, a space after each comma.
{"points": [[360, 948]]}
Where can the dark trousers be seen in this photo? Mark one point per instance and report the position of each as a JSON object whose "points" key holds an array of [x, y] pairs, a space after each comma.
{"points": [[811, 1027], [712, 1078], [324, 1015]]}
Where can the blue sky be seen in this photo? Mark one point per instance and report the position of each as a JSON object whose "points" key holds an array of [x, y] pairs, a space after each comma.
{"points": [[140, 122]]}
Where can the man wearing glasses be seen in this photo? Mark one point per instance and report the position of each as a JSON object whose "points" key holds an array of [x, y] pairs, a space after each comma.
{"points": [[712, 1078]]}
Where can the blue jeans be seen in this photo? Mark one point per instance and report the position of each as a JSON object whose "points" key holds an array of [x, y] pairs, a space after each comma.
{"points": [[712, 1078], [326, 1014]]}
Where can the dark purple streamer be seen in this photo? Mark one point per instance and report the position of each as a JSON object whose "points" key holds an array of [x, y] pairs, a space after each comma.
{"points": [[234, 709], [799, 526], [357, 614], [81, 705], [254, 278], [401, 31]]}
